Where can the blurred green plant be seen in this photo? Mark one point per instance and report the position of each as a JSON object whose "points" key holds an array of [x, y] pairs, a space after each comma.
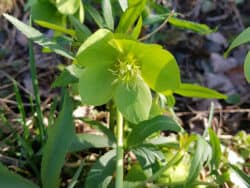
{"points": [[241, 39], [139, 80]]}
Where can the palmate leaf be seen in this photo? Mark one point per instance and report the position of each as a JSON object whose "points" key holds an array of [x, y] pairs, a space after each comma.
{"points": [[9, 179], [193, 90], [149, 158], [38, 37], [144, 129], [60, 137], [101, 173]]}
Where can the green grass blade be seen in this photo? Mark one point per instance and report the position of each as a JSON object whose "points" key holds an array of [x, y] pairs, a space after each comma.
{"points": [[34, 80], [245, 177], [9, 179], [76, 176], [216, 149], [21, 110], [59, 139]]}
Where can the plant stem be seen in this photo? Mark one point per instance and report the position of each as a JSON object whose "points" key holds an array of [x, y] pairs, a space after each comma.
{"points": [[119, 151], [158, 28], [36, 90]]}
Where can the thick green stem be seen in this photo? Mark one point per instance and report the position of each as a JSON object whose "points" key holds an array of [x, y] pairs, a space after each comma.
{"points": [[119, 151]]}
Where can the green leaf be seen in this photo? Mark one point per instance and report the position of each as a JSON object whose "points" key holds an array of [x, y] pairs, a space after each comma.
{"points": [[159, 68], [193, 26], [146, 128], [216, 149], [46, 11], [245, 178], [107, 13], [149, 158], [55, 27], [74, 181], [242, 38], [247, 67], [9, 179], [123, 4], [38, 37], [81, 13], [135, 174], [86, 141], [67, 7], [64, 79], [193, 90], [133, 101], [95, 46], [82, 31], [202, 154], [233, 99], [130, 16], [60, 137], [102, 171], [137, 30], [101, 127], [96, 85], [95, 15]]}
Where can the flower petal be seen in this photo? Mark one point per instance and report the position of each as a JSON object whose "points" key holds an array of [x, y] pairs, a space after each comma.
{"points": [[96, 85], [160, 70], [96, 50], [134, 101], [158, 66]]}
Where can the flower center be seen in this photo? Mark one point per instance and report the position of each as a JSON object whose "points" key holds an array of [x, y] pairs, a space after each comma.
{"points": [[126, 69]]}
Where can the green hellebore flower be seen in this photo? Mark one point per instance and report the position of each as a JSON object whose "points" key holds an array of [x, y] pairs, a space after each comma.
{"points": [[124, 70]]}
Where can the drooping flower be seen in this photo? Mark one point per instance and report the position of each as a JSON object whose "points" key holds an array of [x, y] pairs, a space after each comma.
{"points": [[124, 70]]}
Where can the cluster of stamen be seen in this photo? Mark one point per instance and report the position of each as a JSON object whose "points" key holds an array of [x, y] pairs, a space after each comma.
{"points": [[126, 69]]}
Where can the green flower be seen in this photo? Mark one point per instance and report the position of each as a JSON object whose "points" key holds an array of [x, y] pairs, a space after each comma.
{"points": [[124, 70]]}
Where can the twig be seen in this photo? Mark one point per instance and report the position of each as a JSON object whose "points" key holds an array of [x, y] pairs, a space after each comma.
{"points": [[158, 28], [215, 111]]}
